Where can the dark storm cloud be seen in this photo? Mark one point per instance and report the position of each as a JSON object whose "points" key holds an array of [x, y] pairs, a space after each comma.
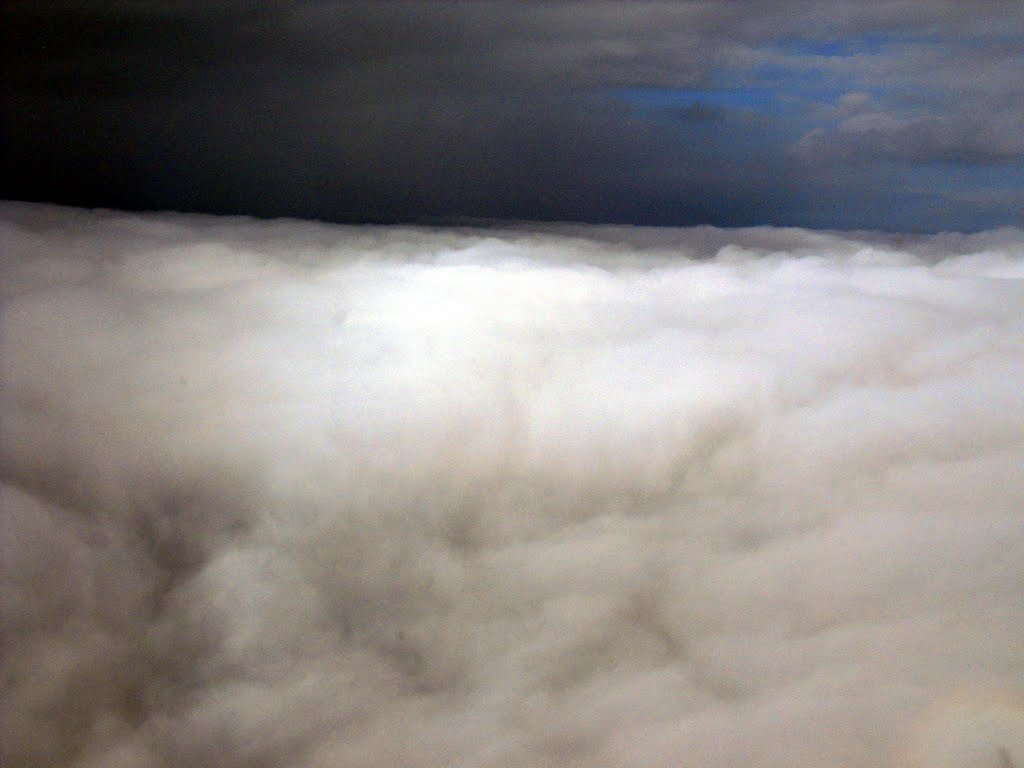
{"points": [[406, 110]]}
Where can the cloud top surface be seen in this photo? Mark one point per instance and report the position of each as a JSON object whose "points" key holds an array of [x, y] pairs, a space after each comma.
{"points": [[278, 493]]}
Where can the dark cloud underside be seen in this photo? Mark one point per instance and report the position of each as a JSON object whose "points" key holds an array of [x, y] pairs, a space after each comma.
{"points": [[396, 111]]}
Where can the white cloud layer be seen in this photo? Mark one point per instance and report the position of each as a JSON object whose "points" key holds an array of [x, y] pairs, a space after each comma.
{"points": [[284, 494]]}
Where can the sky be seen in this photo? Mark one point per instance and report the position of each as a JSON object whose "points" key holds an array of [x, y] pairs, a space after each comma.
{"points": [[901, 116], [304, 495]]}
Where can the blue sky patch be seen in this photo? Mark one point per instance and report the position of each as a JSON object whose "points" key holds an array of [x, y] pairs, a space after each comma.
{"points": [[759, 99], [855, 46]]}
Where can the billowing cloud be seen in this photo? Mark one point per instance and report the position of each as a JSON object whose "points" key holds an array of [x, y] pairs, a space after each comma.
{"points": [[293, 494]]}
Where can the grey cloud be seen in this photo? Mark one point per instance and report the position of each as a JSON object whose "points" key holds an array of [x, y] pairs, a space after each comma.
{"points": [[405, 111], [424, 47], [277, 493], [881, 136]]}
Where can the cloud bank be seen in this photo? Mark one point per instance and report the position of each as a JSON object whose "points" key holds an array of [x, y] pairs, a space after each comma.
{"points": [[286, 494]]}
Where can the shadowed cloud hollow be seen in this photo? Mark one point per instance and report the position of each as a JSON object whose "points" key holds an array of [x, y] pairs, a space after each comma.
{"points": [[286, 494]]}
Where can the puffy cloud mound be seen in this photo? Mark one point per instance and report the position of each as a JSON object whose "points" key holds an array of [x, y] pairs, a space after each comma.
{"points": [[286, 494]]}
